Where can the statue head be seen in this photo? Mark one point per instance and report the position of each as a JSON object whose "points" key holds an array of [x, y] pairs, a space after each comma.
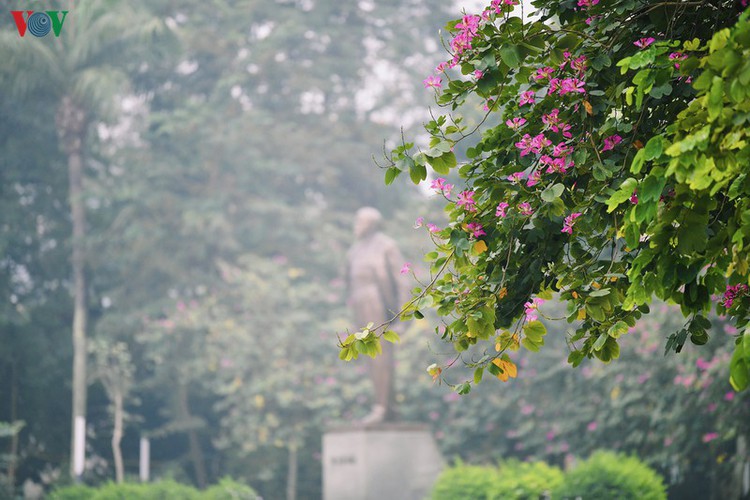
{"points": [[366, 221]]}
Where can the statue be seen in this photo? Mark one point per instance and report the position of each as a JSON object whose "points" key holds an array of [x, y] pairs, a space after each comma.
{"points": [[375, 295]]}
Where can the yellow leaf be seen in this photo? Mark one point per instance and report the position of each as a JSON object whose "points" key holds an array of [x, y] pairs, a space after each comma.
{"points": [[581, 314], [480, 247], [502, 293], [589, 108], [596, 285], [507, 367], [575, 294], [498, 347]]}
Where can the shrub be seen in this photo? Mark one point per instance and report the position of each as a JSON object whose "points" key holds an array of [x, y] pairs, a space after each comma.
{"points": [[611, 476], [73, 492], [526, 480], [227, 489], [466, 482]]}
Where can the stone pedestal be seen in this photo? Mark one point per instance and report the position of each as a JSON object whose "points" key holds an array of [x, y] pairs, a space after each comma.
{"points": [[391, 461]]}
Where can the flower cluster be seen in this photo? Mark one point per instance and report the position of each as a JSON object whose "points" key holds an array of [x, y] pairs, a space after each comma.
{"points": [[732, 293]]}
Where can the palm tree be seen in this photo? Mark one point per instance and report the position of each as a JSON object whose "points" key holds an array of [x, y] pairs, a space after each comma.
{"points": [[84, 69]]}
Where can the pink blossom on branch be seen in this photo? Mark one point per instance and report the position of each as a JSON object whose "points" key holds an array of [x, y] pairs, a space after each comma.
{"points": [[501, 208], [527, 97], [432, 81], [611, 141], [569, 85], [476, 229], [644, 42], [569, 221], [525, 209], [515, 123], [441, 187], [466, 200]]}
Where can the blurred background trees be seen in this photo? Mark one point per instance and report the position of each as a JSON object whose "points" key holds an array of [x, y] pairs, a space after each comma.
{"points": [[218, 193]]}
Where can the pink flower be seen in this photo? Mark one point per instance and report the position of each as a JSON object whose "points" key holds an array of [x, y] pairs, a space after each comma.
{"points": [[405, 269], [587, 3], [531, 307], [539, 142], [441, 187], [432, 81], [543, 73], [569, 221], [466, 200], [611, 141], [525, 209], [441, 67], [433, 228], [527, 97], [515, 123], [732, 292], [580, 64], [568, 85], [554, 85], [565, 130], [729, 396], [478, 74], [634, 198], [644, 42], [711, 407], [561, 150], [552, 119], [534, 178], [418, 223], [501, 208], [677, 56], [525, 145], [592, 426], [710, 436], [516, 177], [475, 229]]}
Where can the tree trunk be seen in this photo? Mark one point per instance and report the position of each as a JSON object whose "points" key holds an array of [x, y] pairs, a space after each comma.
{"points": [[117, 437], [291, 475], [196, 453], [71, 128]]}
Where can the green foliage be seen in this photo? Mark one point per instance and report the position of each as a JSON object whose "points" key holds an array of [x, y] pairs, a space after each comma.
{"points": [[526, 480], [609, 475], [613, 173], [165, 489], [511, 480], [466, 482]]}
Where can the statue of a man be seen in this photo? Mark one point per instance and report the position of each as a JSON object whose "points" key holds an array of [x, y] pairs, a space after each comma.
{"points": [[375, 295]]}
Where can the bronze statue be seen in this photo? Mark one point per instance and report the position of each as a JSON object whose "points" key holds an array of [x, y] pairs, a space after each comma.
{"points": [[376, 293]]}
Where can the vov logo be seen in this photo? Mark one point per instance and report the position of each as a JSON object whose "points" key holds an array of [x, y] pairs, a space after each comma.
{"points": [[39, 24]]}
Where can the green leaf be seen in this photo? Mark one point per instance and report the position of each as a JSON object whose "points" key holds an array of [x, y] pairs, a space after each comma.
{"points": [[619, 328], [653, 149], [418, 173], [600, 342], [534, 330], [552, 192], [621, 195], [391, 174], [510, 55], [739, 366], [391, 336], [443, 164], [715, 98], [478, 373]]}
